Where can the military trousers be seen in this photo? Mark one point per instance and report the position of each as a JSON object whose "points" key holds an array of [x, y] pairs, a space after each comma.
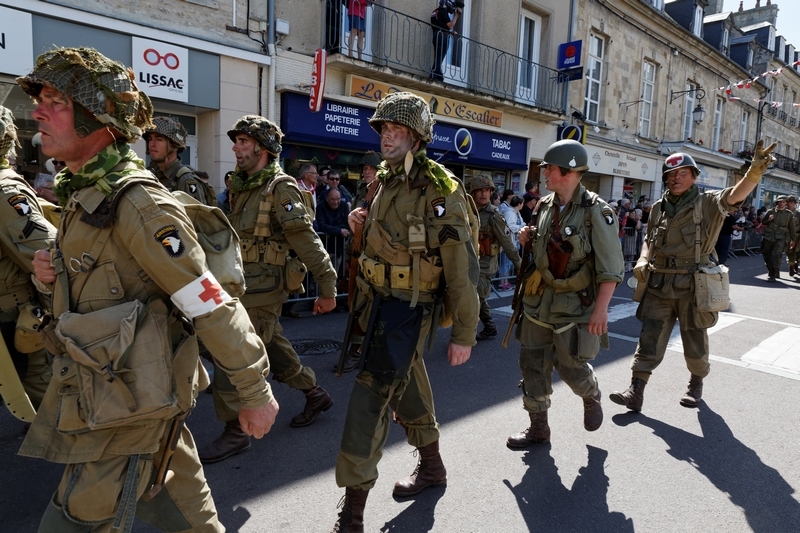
{"points": [[366, 426], [773, 253], [658, 316], [90, 495], [484, 289], [562, 348], [284, 363]]}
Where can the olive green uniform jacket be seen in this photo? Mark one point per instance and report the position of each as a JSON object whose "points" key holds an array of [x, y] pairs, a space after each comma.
{"points": [[137, 263], [596, 258], [780, 226], [495, 230], [188, 182]]}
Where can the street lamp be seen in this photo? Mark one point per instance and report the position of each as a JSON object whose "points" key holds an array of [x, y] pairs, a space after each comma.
{"points": [[699, 114]]}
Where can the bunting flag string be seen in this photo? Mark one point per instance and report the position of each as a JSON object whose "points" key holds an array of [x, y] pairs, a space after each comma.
{"points": [[746, 84]]}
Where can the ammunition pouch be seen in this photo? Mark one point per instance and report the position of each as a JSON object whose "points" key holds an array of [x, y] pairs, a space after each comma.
{"points": [[391, 338], [712, 288], [396, 277], [295, 274], [26, 334]]}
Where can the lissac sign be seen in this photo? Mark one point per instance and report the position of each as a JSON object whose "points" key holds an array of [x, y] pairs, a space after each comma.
{"points": [[162, 70]]}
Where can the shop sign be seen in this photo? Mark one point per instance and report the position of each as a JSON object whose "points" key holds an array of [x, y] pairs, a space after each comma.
{"points": [[318, 75], [477, 147], [373, 91], [16, 42], [569, 54], [162, 70], [622, 164]]}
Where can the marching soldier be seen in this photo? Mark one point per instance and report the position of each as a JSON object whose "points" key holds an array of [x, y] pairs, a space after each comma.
{"points": [[25, 230], [666, 267], [417, 236], [793, 247], [779, 232], [578, 265], [493, 235], [166, 139], [130, 288], [273, 220]]}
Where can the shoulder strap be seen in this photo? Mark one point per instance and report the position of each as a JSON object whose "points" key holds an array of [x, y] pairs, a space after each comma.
{"points": [[183, 171], [697, 216]]}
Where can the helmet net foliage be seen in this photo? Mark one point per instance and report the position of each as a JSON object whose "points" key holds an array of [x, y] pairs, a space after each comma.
{"points": [[8, 133], [407, 109]]}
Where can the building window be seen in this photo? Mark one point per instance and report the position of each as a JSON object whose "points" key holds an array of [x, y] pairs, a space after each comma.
{"points": [[697, 24], [726, 35], [688, 108], [594, 78], [646, 109], [749, 58], [743, 130], [529, 39], [717, 124]]}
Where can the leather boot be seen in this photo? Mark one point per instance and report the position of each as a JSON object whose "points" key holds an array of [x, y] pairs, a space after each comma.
{"points": [[489, 331], [592, 412], [633, 398], [693, 394], [351, 363], [430, 471], [317, 401], [351, 517], [538, 433], [233, 441]]}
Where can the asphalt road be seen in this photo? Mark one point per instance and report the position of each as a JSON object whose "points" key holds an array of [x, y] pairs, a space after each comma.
{"points": [[730, 466]]}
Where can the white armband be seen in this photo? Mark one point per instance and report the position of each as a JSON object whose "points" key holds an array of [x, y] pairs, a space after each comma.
{"points": [[201, 296]]}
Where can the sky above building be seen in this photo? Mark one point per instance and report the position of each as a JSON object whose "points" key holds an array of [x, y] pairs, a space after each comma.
{"points": [[788, 16]]}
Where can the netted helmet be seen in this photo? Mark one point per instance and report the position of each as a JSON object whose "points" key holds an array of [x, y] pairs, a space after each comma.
{"points": [[8, 133], [481, 181], [406, 109], [104, 87], [679, 160], [566, 154], [169, 128], [265, 132], [371, 159]]}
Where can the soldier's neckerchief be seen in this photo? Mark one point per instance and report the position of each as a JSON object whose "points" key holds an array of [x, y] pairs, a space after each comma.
{"points": [[97, 171], [242, 182], [672, 204], [443, 183]]}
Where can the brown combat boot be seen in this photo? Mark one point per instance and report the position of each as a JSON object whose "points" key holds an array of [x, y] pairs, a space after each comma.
{"points": [[592, 412], [351, 517], [233, 441], [489, 330], [317, 401], [633, 398], [430, 471], [693, 394], [538, 433]]}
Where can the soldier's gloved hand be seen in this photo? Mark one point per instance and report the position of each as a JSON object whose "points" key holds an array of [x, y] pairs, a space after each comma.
{"points": [[640, 270], [762, 158]]}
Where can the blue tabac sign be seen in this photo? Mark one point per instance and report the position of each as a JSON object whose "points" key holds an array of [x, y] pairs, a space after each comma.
{"points": [[346, 126]]}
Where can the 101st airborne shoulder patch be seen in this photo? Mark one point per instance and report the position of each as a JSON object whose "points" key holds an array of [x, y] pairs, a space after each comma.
{"points": [[170, 240], [192, 186], [438, 207], [287, 204], [20, 203], [608, 215]]}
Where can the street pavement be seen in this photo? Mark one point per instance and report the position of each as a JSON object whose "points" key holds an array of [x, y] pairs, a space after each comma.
{"points": [[730, 466]]}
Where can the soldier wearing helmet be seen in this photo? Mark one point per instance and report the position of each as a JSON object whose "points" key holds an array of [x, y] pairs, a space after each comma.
{"points": [[166, 139], [493, 236], [127, 251], [793, 247], [417, 246], [666, 270], [575, 247], [24, 230], [272, 218], [780, 232]]}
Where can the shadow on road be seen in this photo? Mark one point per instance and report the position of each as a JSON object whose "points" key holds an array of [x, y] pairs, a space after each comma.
{"points": [[419, 516], [736, 470], [547, 505]]}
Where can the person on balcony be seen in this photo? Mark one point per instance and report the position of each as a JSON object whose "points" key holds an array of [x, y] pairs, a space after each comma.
{"points": [[442, 27], [357, 25]]}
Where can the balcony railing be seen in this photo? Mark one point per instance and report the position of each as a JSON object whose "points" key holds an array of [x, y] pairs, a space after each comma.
{"points": [[411, 45], [792, 121], [745, 150], [782, 116], [772, 111]]}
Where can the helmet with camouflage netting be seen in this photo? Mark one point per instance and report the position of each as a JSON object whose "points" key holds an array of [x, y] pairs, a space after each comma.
{"points": [[407, 109], [480, 181], [567, 154], [371, 159], [103, 87], [169, 128], [264, 131], [8, 133]]}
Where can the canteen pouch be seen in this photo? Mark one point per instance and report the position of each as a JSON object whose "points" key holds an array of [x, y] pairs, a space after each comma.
{"points": [[26, 334], [391, 338], [712, 288], [123, 363], [295, 274]]}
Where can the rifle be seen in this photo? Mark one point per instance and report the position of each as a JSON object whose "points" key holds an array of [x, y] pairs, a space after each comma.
{"points": [[14, 395], [519, 290], [355, 253], [164, 474]]}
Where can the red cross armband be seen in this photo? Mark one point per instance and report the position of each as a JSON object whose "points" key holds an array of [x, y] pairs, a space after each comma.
{"points": [[201, 296]]}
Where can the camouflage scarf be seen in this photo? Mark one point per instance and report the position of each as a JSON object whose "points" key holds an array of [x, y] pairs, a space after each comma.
{"points": [[443, 183], [242, 182], [672, 204], [4, 164], [97, 171]]}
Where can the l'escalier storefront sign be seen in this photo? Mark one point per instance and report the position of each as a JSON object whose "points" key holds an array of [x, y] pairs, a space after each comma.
{"points": [[373, 91]]}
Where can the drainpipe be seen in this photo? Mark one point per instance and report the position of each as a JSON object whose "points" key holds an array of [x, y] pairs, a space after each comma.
{"points": [[273, 60]]}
